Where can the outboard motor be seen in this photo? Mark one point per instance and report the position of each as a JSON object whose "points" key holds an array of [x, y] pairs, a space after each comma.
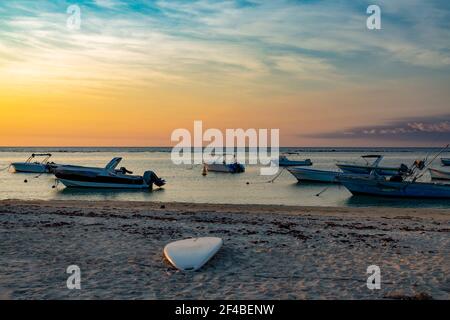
{"points": [[151, 178], [420, 164]]}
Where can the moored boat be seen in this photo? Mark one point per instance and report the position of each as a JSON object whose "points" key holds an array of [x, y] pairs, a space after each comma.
{"points": [[283, 161], [31, 166], [439, 174], [368, 167], [445, 161], [108, 177], [378, 186], [315, 175]]}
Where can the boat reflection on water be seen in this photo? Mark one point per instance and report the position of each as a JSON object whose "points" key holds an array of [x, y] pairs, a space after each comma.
{"points": [[107, 194], [370, 201]]}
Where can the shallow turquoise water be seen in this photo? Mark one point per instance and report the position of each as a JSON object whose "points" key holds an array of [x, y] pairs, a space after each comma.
{"points": [[186, 184]]}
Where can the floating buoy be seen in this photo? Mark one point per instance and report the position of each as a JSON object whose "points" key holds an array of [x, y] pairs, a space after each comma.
{"points": [[205, 171]]}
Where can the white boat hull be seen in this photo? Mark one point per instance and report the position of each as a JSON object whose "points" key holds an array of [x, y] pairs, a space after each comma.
{"points": [[357, 169], [192, 254], [304, 174], [439, 175]]}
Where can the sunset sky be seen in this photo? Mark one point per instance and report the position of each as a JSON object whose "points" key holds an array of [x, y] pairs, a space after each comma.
{"points": [[137, 70]]}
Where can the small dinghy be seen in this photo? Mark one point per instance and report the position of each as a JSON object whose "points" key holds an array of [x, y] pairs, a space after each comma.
{"points": [[192, 254], [439, 174], [105, 178], [220, 164], [283, 161], [445, 161], [31, 166]]}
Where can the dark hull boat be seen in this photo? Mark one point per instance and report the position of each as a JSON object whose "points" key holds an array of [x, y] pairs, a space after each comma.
{"points": [[445, 161], [283, 161], [105, 178], [378, 186]]}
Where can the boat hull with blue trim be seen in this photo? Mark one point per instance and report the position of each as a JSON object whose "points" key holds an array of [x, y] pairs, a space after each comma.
{"points": [[380, 187]]}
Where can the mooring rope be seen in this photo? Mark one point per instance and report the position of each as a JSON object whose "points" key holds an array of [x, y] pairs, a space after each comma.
{"points": [[6, 168], [271, 180]]}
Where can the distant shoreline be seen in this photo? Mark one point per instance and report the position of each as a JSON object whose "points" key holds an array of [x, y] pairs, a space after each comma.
{"points": [[166, 149]]}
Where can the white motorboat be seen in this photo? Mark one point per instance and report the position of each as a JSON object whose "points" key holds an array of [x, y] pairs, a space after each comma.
{"points": [[315, 175], [283, 161], [223, 167], [439, 174], [107, 177], [32, 166], [368, 167]]}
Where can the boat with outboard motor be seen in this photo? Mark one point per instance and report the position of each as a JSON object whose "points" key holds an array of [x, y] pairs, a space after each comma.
{"points": [[380, 186], [368, 167], [404, 184], [31, 166], [219, 164], [108, 177]]}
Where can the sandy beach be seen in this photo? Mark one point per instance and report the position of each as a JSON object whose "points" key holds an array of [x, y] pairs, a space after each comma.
{"points": [[269, 252]]}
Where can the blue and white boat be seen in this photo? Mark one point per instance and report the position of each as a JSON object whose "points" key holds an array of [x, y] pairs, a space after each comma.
{"points": [[314, 175], [374, 185], [225, 167], [283, 161], [368, 167], [33, 166]]}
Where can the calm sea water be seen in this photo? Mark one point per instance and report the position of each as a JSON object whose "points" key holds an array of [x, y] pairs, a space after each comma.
{"points": [[186, 184]]}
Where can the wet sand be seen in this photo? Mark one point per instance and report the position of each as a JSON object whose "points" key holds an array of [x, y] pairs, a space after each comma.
{"points": [[269, 252]]}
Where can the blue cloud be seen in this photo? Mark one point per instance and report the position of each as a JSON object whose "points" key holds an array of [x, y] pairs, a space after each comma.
{"points": [[420, 129]]}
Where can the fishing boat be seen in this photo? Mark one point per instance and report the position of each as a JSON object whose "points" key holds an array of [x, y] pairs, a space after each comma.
{"points": [[224, 167], [439, 174], [108, 177], [219, 164], [315, 175], [445, 161], [375, 185], [283, 161], [368, 166], [32, 166]]}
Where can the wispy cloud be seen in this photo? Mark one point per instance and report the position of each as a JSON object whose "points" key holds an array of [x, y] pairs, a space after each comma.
{"points": [[421, 129]]}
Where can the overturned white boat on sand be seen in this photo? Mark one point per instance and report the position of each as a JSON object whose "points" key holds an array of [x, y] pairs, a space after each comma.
{"points": [[105, 178]]}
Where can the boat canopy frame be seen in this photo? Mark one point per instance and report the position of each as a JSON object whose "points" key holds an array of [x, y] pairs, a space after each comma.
{"points": [[34, 155]]}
